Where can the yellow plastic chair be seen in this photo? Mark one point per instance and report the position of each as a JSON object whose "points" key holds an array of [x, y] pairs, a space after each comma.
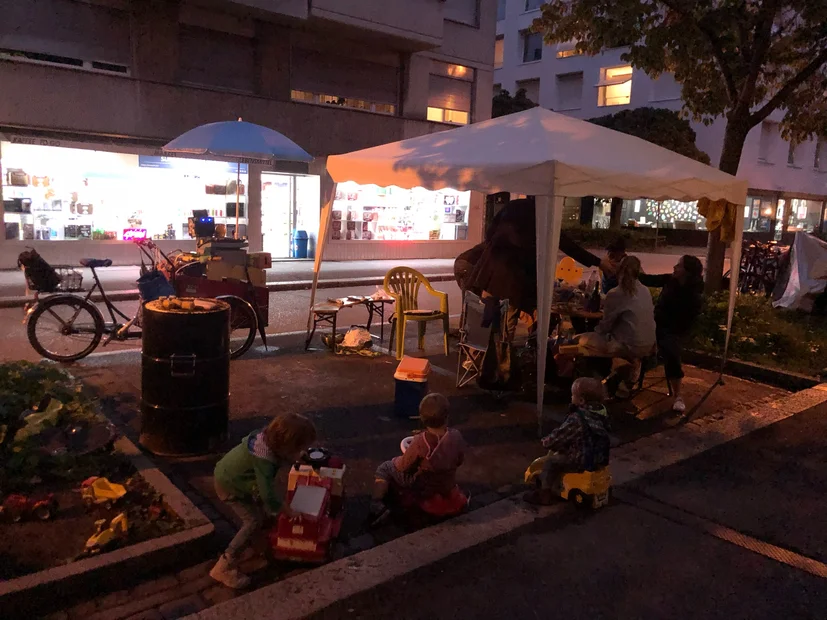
{"points": [[402, 283], [568, 271]]}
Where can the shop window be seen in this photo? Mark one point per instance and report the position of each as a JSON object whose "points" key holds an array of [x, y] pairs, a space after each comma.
{"points": [[759, 217], [769, 130], [531, 88], [569, 91], [499, 44], [63, 194], [373, 213], [615, 86], [217, 59], [66, 33], [532, 46], [533, 5], [462, 11], [344, 102]]}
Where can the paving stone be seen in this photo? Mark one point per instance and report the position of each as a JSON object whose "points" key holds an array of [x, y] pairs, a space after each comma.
{"points": [[114, 599], [58, 615], [81, 610], [137, 605], [156, 585], [362, 542], [196, 585], [253, 565], [485, 499], [196, 572], [218, 594], [181, 607]]}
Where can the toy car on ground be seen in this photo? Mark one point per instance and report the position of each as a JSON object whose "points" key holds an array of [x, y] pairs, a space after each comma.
{"points": [[96, 490], [16, 507], [315, 490], [588, 489], [103, 538]]}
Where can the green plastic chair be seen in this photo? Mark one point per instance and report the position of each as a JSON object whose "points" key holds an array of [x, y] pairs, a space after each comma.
{"points": [[402, 283]]}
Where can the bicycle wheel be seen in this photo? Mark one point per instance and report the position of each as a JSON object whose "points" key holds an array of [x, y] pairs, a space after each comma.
{"points": [[243, 324], [65, 329]]}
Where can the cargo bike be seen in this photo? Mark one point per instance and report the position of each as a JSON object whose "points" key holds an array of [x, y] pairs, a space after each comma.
{"points": [[65, 325]]}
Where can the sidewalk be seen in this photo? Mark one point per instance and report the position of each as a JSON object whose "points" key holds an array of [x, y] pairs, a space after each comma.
{"points": [[298, 275]]}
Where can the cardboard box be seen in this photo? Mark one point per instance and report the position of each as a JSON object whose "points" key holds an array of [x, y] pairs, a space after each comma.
{"points": [[218, 270], [259, 260], [257, 277]]}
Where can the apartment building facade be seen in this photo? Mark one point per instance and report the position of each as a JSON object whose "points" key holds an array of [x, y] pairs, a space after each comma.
{"points": [[788, 183], [91, 90]]}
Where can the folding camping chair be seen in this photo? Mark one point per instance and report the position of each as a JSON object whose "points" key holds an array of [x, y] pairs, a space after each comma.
{"points": [[474, 339]]}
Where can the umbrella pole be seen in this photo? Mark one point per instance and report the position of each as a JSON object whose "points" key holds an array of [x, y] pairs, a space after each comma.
{"points": [[237, 192]]}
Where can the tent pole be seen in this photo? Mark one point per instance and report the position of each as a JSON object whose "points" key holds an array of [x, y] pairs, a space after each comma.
{"points": [[548, 219], [657, 225], [329, 195], [734, 275], [237, 193]]}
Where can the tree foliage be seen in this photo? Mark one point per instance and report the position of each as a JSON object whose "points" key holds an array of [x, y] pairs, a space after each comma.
{"points": [[657, 125], [503, 103]]}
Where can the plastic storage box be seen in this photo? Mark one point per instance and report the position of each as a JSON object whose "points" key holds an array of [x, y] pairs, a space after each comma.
{"points": [[411, 379]]}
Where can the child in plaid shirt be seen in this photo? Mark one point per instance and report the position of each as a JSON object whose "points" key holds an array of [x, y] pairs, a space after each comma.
{"points": [[581, 442]]}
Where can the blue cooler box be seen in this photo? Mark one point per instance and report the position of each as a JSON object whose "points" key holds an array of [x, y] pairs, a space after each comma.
{"points": [[411, 379]]}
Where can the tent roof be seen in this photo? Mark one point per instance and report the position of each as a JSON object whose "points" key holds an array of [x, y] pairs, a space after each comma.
{"points": [[536, 152]]}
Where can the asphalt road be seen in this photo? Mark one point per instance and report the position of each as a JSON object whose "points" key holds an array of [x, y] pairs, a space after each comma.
{"points": [[628, 561]]}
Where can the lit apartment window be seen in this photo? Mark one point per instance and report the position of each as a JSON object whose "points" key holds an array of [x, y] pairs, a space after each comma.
{"points": [[532, 46], [344, 102], [567, 53], [450, 90], [498, 52], [441, 115], [533, 5], [615, 87]]}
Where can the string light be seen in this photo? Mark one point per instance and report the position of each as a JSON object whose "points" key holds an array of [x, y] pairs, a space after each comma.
{"points": [[673, 211]]}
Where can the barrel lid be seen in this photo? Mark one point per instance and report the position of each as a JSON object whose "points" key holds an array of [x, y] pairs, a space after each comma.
{"points": [[186, 305]]}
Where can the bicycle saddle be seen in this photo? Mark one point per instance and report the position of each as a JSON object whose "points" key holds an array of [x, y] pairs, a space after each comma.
{"points": [[92, 263]]}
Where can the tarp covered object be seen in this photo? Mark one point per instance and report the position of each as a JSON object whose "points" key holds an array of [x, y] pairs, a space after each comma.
{"points": [[807, 273], [549, 156]]}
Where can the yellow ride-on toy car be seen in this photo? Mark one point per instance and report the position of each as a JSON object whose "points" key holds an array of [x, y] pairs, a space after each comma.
{"points": [[588, 489]]}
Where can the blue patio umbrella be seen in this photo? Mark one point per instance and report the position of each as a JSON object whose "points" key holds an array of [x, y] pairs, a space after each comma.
{"points": [[241, 142]]}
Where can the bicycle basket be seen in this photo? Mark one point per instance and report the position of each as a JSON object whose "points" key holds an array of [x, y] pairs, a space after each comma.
{"points": [[71, 279]]}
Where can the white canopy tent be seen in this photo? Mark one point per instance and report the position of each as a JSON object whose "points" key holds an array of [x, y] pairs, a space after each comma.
{"points": [[549, 156]]}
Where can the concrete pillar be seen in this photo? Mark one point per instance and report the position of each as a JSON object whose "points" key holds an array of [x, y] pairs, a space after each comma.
{"points": [[415, 87], [154, 33], [483, 94], [255, 238], [273, 61], [2, 209]]}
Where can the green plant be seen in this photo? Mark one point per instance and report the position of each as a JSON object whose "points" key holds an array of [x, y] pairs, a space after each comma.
{"points": [[599, 238]]}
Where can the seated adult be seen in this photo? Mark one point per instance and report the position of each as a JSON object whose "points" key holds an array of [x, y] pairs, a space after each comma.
{"points": [[679, 304], [627, 330]]}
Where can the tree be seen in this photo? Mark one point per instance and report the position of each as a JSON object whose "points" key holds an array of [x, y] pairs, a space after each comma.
{"points": [[657, 125], [741, 60], [503, 103]]}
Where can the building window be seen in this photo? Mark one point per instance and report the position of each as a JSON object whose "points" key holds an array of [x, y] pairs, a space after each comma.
{"points": [[451, 87], [569, 91], [532, 46], [568, 51], [533, 5], [500, 10], [531, 88], [463, 12], [615, 87], [344, 102], [791, 154], [219, 59], [498, 51], [820, 157], [768, 131]]}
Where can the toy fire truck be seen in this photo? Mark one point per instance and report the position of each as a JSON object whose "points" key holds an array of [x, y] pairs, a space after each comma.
{"points": [[315, 490]]}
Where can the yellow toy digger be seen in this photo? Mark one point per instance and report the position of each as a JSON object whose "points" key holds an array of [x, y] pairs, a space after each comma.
{"points": [[103, 538], [96, 490], [588, 489]]}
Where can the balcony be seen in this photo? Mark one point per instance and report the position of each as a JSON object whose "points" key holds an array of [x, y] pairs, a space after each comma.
{"points": [[297, 9], [414, 26]]}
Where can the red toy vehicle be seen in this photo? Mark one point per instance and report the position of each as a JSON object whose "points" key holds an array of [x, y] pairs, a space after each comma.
{"points": [[315, 488], [17, 507]]}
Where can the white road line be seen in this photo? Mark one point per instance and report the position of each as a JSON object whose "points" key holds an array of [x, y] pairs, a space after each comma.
{"points": [[311, 592]]}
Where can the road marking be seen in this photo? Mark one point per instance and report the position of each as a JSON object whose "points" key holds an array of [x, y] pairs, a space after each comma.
{"points": [[311, 592]]}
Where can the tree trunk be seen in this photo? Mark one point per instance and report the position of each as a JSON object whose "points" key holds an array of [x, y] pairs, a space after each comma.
{"points": [[586, 211], [614, 213], [734, 137]]}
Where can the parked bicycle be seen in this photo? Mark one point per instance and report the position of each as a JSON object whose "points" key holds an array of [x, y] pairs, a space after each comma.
{"points": [[760, 265], [65, 326]]}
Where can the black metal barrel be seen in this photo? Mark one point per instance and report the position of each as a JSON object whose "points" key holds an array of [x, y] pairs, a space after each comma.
{"points": [[185, 376]]}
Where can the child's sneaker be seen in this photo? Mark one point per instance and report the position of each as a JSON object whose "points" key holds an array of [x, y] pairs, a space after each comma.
{"points": [[679, 405], [224, 572]]}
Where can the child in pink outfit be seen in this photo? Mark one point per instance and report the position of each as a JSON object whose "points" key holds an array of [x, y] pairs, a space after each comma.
{"points": [[429, 465]]}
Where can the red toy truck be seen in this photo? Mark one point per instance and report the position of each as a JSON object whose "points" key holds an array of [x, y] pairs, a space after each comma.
{"points": [[315, 488]]}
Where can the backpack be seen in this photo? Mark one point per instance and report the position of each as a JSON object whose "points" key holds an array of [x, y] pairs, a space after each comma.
{"points": [[41, 276]]}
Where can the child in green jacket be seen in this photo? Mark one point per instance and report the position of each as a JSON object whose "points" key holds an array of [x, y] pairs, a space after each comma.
{"points": [[244, 480]]}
